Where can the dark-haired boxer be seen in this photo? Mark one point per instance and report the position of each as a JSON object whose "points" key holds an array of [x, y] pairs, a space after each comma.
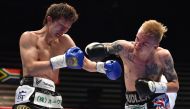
{"points": [[43, 52]]}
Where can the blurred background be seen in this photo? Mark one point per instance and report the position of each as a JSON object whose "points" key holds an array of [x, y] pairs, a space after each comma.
{"points": [[99, 21]]}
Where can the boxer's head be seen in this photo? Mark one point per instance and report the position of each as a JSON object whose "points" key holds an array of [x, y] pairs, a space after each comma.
{"points": [[57, 11], [148, 37], [59, 18], [153, 29]]}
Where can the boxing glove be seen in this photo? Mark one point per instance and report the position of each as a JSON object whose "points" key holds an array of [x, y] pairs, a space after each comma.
{"points": [[96, 51], [146, 87], [111, 68], [73, 58]]}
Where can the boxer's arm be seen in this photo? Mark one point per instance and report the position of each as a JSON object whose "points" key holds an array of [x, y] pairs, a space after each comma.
{"points": [[73, 58], [114, 47], [98, 51], [111, 68], [146, 87], [170, 72], [89, 65]]}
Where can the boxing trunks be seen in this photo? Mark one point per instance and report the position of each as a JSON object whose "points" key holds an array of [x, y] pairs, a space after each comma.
{"points": [[156, 101], [37, 93]]}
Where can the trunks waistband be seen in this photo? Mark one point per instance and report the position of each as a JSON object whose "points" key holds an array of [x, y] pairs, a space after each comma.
{"points": [[132, 98], [38, 82]]}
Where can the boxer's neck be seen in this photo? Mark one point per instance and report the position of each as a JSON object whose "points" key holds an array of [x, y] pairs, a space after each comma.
{"points": [[49, 39]]}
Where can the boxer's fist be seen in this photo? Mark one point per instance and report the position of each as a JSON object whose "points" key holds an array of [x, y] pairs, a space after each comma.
{"points": [[73, 58], [146, 87], [111, 68], [142, 88], [96, 51]]}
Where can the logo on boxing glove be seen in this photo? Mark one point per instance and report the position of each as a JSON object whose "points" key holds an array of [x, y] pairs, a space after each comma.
{"points": [[72, 61], [74, 58]]}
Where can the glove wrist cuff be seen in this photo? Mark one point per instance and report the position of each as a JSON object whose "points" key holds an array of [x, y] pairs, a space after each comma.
{"points": [[58, 62], [100, 67], [157, 87]]}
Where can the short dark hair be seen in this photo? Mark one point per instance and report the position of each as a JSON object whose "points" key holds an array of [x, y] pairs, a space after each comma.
{"points": [[59, 10]]}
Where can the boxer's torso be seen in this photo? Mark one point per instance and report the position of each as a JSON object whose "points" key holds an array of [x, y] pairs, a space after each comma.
{"points": [[135, 68], [43, 50]]}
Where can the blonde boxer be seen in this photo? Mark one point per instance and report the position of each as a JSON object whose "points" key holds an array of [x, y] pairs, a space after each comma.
{"points": [[144, 63]]}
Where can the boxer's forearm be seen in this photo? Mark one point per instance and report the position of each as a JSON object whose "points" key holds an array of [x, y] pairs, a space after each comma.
{"points": [[89, 65], [38, 66], [173, 86]]}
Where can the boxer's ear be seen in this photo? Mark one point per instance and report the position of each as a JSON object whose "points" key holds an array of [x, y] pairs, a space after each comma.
{"points": [[156, 46], [49, 19]]}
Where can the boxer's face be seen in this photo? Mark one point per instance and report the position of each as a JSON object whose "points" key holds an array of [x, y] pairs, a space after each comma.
{"points": [[59, 27], [144, 45]]}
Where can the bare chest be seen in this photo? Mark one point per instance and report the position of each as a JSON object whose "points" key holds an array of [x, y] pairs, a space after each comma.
{"points": [[136, 69], [46, 51]]}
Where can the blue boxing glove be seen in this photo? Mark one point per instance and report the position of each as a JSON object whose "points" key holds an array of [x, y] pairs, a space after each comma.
{"points": [[111, 68], [73, 58]]}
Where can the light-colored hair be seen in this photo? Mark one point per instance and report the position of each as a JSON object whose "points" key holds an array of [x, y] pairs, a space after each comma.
{"points": [[154, 29]]}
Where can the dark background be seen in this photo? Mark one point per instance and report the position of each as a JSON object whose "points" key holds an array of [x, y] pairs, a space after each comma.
{"points": [[99, 21]]}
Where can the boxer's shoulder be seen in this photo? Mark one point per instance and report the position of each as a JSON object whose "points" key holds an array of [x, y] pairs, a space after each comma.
{"points": [[124, 45], [28, 37], [163, 54], [66, 40], [64, 37]]}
